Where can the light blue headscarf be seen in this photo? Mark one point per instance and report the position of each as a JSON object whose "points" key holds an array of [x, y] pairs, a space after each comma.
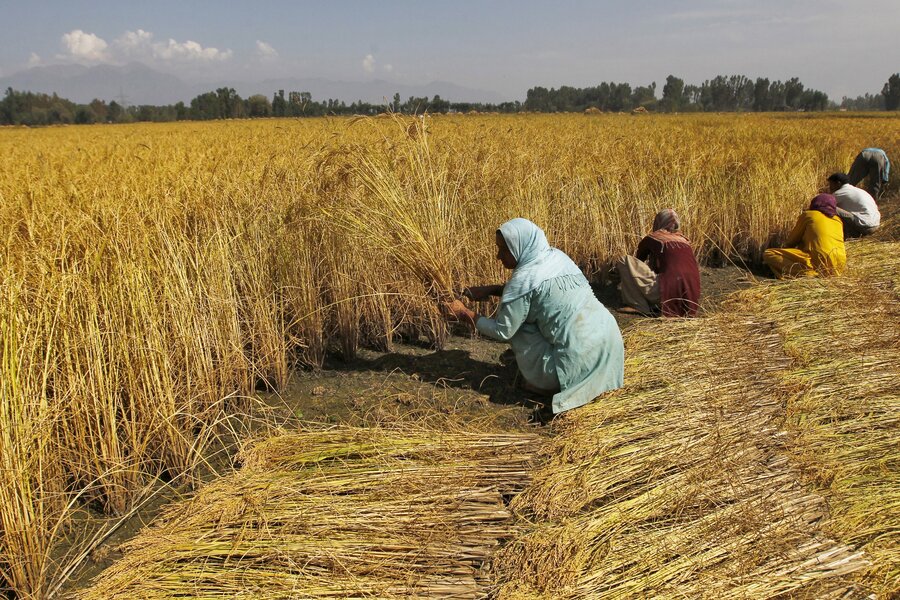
{"points": [[536, 260]]}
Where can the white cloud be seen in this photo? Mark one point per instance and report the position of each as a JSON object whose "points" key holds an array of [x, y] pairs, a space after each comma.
{"points": [[189, 51], [368, 63], [389, 68], [266, 51], [138, 45], [34, 60], [85, 46], [133, 40]]}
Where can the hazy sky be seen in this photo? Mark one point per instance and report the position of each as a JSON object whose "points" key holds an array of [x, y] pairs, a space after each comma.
{"points": [[839, 46]]}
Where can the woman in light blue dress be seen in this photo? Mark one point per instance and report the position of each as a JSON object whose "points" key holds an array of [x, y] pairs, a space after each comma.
{"points": [[565, 341]]}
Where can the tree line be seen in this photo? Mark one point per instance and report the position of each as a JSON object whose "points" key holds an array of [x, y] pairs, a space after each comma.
{"points": [[30, 108], [733, 93], [888, 99], [722, 93]]}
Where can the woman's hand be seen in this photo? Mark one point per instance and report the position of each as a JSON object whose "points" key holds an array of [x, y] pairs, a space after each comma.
{"points": [[482, 292], [457, 311]]}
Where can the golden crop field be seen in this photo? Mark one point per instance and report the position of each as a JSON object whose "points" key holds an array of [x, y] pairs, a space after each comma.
{"points": [[154, 275]]}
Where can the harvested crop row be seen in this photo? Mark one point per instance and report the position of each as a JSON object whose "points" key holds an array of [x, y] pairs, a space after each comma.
{"points": [[843, 409], [686, 483], [341, 513], [694, 480]]}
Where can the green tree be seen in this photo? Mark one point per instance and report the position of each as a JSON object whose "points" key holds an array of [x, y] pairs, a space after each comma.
{"points": [[61, 110], [439, 105], [415, 105], [84, 115], [9, 107], [304, 100], [619, 96], [537, 99], [761, 100], [279, 105], [793, 90], [741, 92], [258, 106], [673, 94], [865, 102], [692, 95], [811, 100], [777, 96], [114, 112], [716, 94], [891, 92], [228, 103], [206, 106], [100, 109], [644, 96], [294, 105]]}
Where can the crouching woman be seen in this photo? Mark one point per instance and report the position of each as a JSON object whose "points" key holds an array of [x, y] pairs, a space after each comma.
{"points": [[565, 342], [663, 274], [815, 245]]}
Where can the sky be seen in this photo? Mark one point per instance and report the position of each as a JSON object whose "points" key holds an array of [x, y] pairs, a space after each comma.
{"points": [[838, 46]]}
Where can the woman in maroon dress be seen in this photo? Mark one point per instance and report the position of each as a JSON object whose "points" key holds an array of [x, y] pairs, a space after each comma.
{"points": [[663, 273]]}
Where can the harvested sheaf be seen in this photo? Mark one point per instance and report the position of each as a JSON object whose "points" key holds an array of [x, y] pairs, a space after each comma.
{"points": [[876, 262], [753, 454], [341, 513], [844, 409], [678, 486]]}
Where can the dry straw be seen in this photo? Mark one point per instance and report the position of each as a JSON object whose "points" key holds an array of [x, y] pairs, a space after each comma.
{"points": [[753, 453], [844, 407], [742, 460], [153, 274], [340, 513]]}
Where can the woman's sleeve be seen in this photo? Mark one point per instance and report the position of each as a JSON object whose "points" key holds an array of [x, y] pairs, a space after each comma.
{"points": [[796, 236], [510, 317], [644, 249]]}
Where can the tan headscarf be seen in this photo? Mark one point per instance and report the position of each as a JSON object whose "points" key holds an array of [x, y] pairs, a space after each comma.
{"points": [[666, 227]]}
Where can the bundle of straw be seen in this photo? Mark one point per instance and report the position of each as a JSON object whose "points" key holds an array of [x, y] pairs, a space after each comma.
{"points": [[684, 484], [752, 454], [340, 513], [844, 409], [677, 486]]}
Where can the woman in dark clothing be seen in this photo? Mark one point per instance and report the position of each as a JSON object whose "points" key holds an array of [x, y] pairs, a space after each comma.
{"points": [[663, 272]]}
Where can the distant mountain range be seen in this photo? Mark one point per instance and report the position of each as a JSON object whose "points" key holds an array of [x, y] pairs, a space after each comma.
{"points": [[140, 84]]}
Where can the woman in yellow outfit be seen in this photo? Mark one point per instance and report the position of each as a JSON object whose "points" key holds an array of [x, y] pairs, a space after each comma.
{"points": [[815, 246]]}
